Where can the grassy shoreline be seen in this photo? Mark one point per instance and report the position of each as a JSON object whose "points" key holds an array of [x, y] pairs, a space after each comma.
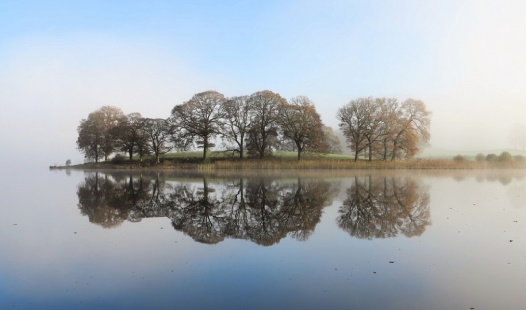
{"points": [[288, 163]]}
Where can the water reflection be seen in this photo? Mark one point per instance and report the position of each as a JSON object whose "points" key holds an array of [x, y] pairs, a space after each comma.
{"points": [[263, 210], [383, 207]]}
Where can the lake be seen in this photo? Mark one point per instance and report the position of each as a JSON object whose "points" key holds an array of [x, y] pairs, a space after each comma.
{"points": [[264, 240]]}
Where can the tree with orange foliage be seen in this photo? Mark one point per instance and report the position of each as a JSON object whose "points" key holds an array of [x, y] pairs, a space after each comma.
{"points": [[301, 123]]}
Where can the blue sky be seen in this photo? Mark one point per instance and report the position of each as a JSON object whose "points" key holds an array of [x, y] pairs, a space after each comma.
{"points": [[61, 60]]}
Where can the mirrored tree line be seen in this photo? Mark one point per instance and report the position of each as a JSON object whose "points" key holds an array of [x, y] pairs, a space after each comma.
{"points": [[384, 207], [262, 210], [257, 125]]}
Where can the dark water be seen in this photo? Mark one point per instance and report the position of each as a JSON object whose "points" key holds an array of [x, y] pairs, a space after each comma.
{"points": [[262, 240]]}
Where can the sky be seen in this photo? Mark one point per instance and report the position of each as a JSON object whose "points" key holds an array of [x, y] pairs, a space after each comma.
{"points": [[61, 60]]}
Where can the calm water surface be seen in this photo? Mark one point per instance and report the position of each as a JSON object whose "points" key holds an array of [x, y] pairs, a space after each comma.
{"points": [[261, 240]]}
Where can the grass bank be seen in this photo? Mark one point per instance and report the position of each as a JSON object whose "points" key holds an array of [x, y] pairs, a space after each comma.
{"points": [[218, 161]]}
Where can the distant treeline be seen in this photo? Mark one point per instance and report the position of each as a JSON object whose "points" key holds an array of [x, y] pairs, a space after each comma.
{"points": [[502, 157], [257, 125]]}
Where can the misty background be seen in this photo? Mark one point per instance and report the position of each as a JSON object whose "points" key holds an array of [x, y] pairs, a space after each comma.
{"points": [[60, 61]]}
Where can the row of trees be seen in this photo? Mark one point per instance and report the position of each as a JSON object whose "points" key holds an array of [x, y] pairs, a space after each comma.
{"points": [[382, 128], [257, 124]]}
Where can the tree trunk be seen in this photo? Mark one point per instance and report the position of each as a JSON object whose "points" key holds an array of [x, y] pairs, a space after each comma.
{"points": [[262, 151], [395, 145], [299, 150], [241, 145], [205, 147]]}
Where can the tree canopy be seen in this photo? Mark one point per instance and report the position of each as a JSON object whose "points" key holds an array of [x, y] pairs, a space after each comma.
{"points": [[378, 128]]}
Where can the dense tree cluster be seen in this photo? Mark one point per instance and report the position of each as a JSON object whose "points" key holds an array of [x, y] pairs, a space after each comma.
{"points": [[257, 125], [381, 128]]}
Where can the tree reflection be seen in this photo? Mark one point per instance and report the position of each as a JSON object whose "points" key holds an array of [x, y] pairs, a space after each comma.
{"points": [[383, 208], [263, 210], [107, 202]]}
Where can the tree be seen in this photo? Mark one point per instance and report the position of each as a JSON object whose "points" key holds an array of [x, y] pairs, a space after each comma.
{"points": [[334, 143], [90, 137], [264, 129], [97, 134], [388, 113], [237, 119], [355, 121], [301, 123], [201, 117], [131, 136], [492, 157], [412, 128], [505, 157], [480, 157], [159, 134], [110, 117]]}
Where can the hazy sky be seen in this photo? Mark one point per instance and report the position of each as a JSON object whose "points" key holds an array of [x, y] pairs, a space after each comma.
{"points": [[61, 60]]}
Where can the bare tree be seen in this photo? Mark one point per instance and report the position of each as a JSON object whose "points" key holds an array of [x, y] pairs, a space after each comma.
{"points": [[334, 143], [355, 119], [97, 134], [302, 124], [201, 117], [412, 128], [159, 134], [110, 118], [90, 139], [388, 114], [266, 106], [237, 120], [131, 136]]}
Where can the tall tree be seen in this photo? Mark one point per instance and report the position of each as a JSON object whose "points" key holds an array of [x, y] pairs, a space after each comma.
{"points": [[389, 114], [412, 128], [110, 117], [90, 139], [201, 117], [159, 134], [237, 119], [97, 134], [355, 119], [266, 106], [335, 146], [301, 123], [131, 136]]}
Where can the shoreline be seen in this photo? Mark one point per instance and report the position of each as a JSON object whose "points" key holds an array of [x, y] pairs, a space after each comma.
{"points": [[305, 164]]}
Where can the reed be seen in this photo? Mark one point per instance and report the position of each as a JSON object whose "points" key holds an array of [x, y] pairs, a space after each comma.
{"points": [[289, 162], [349, 164]]}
